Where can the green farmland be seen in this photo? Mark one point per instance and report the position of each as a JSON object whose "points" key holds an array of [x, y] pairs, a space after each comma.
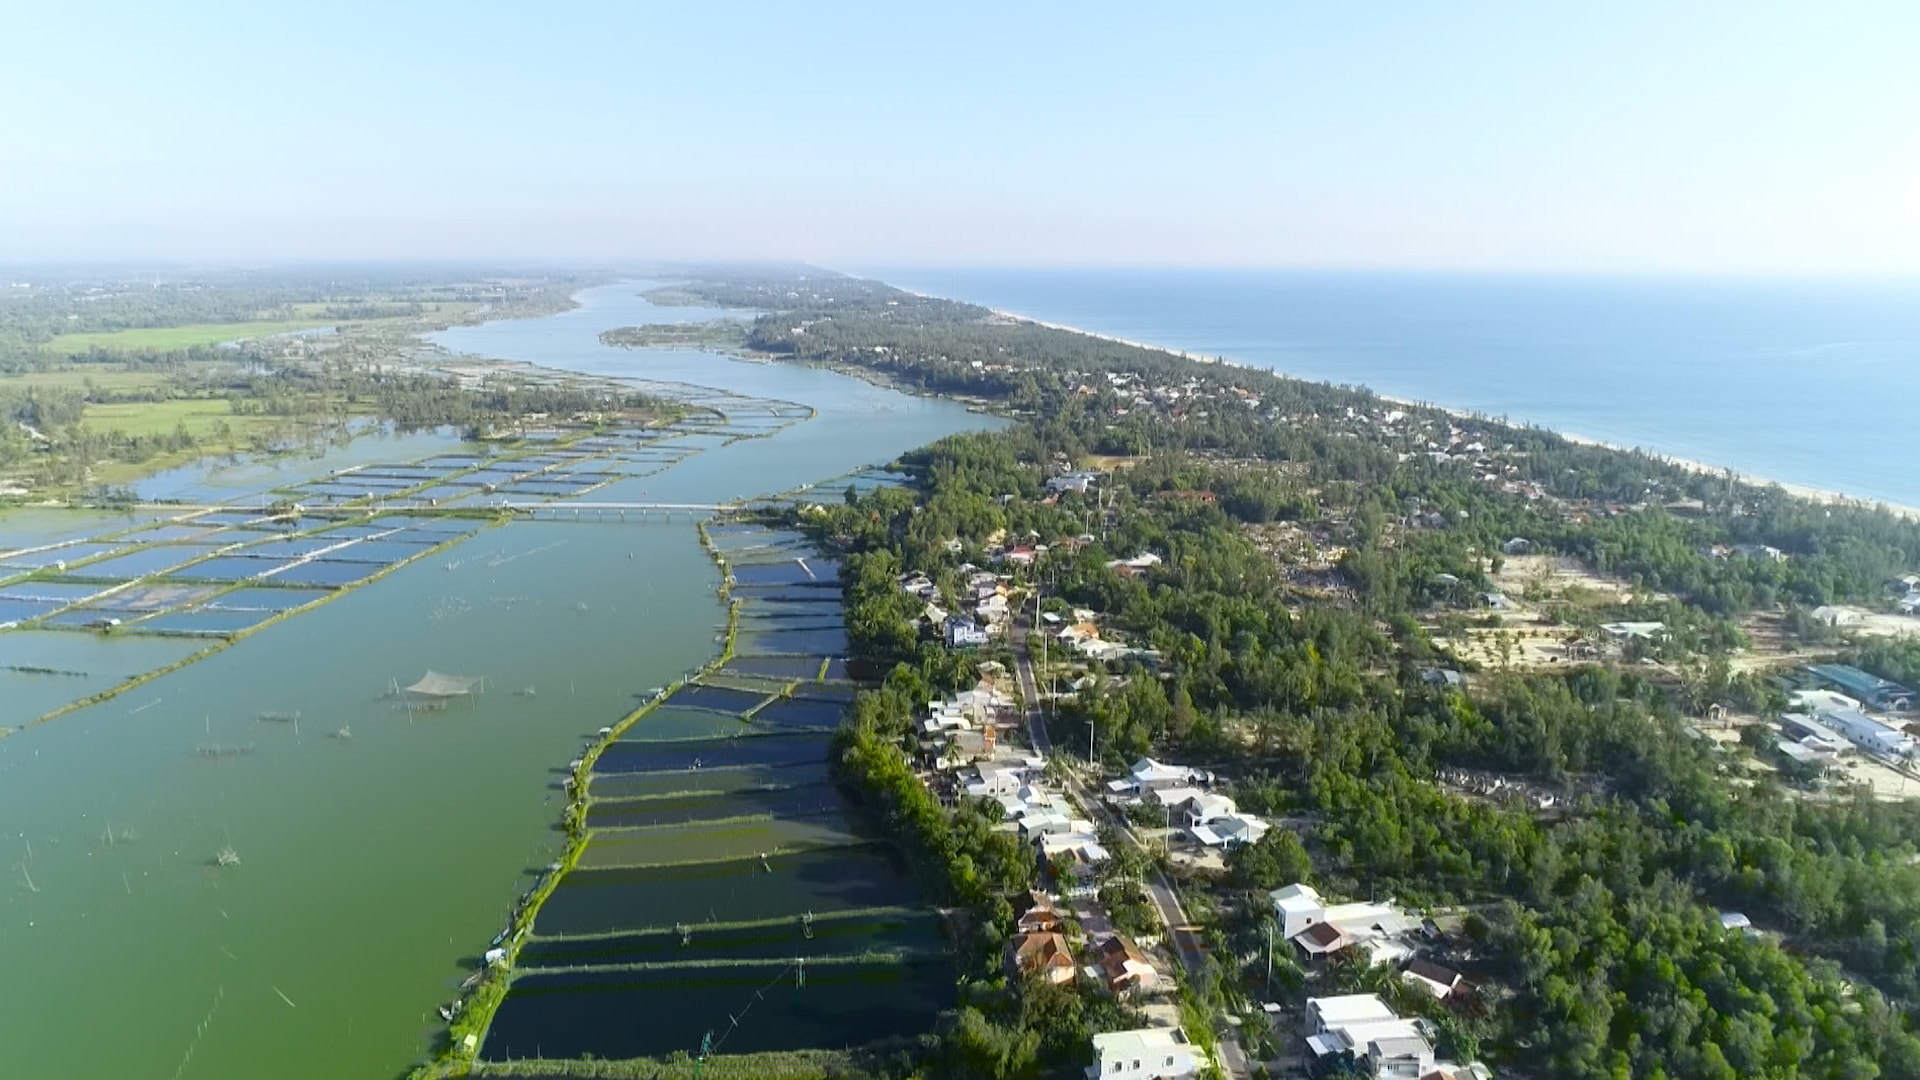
{"points": [[168, 338]]}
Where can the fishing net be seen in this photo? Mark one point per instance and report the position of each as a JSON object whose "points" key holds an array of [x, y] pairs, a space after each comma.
{"points": [[434, 685]]}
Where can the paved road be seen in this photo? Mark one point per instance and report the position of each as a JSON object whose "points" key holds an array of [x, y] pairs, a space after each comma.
{"points": [[1166, 903]]}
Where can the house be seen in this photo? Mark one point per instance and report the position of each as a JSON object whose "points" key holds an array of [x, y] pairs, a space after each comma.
{"points": [[1231, 831], [1126, 968], [1380, 928], [1519, 545], [964, 633], [1073, 481], [1636, 631], [1203, 807], [1297, 907], [1036, 914], [1135, 566], [1145, 1054], [1439, 981], [1321, 940], [1871, 689], [1150, 775], [1074, 858], [1072, 633], [994, 782], [1035, 824], [1042, 955], [1443, 677], [993, 609], [1362, 1028], [1734, 920]]}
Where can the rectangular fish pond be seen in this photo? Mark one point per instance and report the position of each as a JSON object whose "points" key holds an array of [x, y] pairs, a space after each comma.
{"points": [[684, 809], [736, 890], [672, 844], [747, 1007], [695, 781], [852, 934], [693, 754]]}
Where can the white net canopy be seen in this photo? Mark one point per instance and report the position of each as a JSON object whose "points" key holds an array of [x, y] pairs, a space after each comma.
{"points": [[436, 685]]}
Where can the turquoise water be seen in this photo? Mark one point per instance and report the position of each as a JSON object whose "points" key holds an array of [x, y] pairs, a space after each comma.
{"points": [[1800, 382]]}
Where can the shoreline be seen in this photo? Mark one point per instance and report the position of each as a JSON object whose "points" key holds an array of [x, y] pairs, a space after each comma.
{"points": [[1812, 493]]}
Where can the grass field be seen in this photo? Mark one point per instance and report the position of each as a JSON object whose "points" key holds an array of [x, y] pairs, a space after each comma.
{"points": [[164, 338], [159, 417], [181, 337], [105, 376]]}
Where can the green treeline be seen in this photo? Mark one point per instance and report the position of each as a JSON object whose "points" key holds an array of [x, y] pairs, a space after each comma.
{"points": [[1601, 919], [1594, 921], [1058, 380]]}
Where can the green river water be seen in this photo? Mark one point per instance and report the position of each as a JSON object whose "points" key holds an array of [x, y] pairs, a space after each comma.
{"points": [[373, 867]]}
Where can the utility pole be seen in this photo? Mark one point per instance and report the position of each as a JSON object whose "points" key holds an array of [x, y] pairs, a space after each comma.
{"points": [[1269, 956]]}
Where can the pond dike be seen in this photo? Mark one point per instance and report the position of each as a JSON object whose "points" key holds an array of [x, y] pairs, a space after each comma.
{"points": [[720, 902]]}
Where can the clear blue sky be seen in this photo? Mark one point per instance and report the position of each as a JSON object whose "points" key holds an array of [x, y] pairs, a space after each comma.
{"points": [[1656, 137]]}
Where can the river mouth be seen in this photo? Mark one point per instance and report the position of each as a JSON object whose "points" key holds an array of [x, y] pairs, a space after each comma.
{"points": [[378, 847]]}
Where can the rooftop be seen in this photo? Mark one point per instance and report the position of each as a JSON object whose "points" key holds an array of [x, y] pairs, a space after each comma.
{"points": [[1351, 1009], [1136, 1043]]}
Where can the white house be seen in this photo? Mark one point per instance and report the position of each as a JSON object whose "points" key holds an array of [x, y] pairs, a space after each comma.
{"points": [[965, 633], [1150, 775], [1231, 831], [1361, 1025], [1297, 907], [1206, 806], [1145, 1054], [1376, 927]]}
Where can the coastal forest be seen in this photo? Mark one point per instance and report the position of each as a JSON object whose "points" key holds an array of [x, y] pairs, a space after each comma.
{"points": [[1591, 923]]}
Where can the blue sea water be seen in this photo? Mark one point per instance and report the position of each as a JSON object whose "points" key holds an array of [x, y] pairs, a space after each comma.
{"points": [[1814, 383]]}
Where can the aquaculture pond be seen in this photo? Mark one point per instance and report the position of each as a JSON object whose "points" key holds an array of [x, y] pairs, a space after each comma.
{"points": [[274, 860], [722, 891]]}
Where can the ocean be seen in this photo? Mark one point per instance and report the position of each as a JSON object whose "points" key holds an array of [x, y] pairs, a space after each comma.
{"points": [[1801, 382]]}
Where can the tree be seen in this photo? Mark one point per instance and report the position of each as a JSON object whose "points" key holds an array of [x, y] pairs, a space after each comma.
{"points": [[1275, 860]]}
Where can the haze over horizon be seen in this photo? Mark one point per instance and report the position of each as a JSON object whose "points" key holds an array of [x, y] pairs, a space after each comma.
{"points": [[1766, 138]]}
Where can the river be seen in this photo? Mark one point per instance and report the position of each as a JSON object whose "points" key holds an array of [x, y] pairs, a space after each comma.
{"points": [[379, 850]]}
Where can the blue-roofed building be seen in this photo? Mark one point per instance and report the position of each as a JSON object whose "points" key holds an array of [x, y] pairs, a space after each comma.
{"points": [[1868, 688]]}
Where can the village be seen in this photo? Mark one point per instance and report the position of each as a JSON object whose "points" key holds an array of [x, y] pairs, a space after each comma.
{"points": [[1086, 927], [1105, 843]]}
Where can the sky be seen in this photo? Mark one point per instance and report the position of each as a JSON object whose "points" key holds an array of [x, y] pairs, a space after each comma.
{"points": [[1751, 137]]}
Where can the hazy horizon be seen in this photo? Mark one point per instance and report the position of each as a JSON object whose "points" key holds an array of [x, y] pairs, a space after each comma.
{"points": [[1754, 139]]}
